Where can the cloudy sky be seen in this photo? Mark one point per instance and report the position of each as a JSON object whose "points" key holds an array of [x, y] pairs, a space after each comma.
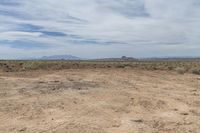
{"points": [[99, 28]]}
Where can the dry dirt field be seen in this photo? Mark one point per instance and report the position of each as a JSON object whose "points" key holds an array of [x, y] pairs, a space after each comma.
{"points": [[99, 101]]}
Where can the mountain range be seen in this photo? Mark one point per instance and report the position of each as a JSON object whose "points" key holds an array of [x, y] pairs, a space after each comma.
{"points": [[59, 57]]}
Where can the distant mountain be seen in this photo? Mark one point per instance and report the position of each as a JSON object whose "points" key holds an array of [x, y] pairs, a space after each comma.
{"points": [[60, 57]]}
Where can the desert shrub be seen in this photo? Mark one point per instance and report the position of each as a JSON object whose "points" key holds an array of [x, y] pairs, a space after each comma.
{"points": [[120, 66], [180, 70], [170, 68], [196, 71]]}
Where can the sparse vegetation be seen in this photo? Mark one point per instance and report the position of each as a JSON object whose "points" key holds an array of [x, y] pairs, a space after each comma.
{"points": [[191, 66]]}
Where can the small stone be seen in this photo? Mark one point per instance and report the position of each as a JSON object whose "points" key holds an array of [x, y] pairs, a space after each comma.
{"points": [[23, 129], [184, 113], [138, 120], [116, 125], [175, 109]]}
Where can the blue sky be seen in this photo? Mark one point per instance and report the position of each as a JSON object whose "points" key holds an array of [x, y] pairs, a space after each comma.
{"points": [[99, 28]]}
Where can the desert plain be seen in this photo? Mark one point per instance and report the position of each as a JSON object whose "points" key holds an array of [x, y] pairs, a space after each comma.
{"points": [[99, 100]]}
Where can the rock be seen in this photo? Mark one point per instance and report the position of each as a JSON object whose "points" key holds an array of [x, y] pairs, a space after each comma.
{"points": [[175, 109], [116, 125], [23, 129], [137, 120], [184, 113]]}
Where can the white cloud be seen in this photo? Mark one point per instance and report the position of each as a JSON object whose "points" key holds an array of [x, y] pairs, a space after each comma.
{"points": [[139, 25]]}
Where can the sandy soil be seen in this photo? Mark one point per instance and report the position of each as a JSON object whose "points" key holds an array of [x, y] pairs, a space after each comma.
{"points": [[99, 101]]}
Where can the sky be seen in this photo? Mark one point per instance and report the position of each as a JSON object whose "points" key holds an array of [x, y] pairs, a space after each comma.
{"points": [[99, 28]]}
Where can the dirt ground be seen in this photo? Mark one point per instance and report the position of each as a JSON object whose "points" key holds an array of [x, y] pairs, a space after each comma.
{"points": [[99, 101]]}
